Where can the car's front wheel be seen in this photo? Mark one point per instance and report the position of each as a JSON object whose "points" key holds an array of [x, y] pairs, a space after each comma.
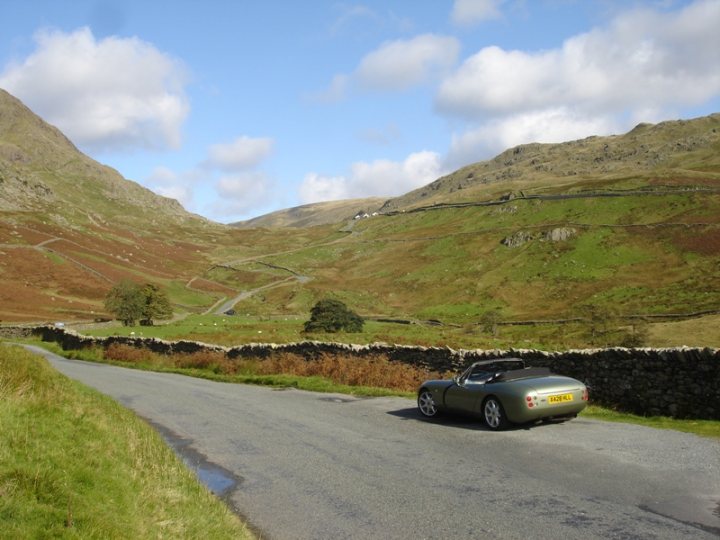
{"points": [[494, 414], [426, 404]]}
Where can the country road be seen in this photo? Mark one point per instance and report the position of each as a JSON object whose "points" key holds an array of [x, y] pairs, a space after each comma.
{"points": [[317, 466]]}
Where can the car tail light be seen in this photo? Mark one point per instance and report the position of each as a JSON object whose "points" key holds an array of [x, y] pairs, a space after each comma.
{"points": [[586, 395], [530, 401]]}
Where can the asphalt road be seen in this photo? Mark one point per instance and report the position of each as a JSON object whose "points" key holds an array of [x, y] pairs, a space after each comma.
{"points": [[317, 466]]}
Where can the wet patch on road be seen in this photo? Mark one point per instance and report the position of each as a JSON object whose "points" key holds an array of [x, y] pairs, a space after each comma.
{"points": [[219, 480]]}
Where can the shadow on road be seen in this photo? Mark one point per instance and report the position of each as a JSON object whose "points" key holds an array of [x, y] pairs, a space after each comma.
{"points": [[449, 420], [457, 420]]}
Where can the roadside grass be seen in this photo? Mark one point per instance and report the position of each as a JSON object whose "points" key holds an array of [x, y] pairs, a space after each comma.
{"points": [[704, 428], [76, 464], [372, 378]]}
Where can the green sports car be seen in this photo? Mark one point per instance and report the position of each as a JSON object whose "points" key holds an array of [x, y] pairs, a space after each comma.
{"points": [[504, 391]]}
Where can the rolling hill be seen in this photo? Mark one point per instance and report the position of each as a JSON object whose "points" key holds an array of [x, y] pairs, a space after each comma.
{"points": [[71, 227], [598, 229], [309, 215], [681, 152]]}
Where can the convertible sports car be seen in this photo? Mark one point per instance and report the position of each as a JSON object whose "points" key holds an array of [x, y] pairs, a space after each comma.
{"points": [[504, 391]]}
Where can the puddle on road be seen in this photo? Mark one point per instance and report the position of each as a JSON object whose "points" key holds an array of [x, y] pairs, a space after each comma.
{"points": [[216, 478]]}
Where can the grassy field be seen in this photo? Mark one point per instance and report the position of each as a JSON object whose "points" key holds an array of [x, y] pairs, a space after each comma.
{"points": [[245, 328], [631, 255], [75, 464]]}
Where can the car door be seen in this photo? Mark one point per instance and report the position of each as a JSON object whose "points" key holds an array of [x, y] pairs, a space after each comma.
{"points": [[467, 390]]}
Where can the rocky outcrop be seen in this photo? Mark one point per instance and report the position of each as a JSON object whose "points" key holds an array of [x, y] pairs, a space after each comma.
{"points": [[559, 234]]}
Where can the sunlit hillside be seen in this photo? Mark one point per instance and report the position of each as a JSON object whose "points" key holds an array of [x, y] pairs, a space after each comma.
{"points": [[624, 228]]}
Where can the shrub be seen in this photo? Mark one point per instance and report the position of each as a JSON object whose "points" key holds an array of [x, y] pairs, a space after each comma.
{"points": [[333, 316]]}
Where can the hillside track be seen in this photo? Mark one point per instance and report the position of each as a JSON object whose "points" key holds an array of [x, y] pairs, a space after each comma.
{"points": [[554, 197], [310, 465]]}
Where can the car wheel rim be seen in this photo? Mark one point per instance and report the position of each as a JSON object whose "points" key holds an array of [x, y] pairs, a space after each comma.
{"points": [[426, 404], [492, 413]]}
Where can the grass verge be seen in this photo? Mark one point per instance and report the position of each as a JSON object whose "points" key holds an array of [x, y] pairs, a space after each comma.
{"points": [[704, 428], [75, 464]]}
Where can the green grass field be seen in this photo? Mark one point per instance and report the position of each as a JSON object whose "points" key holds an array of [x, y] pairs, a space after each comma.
{"points": [[636, 254], [75, 464]]}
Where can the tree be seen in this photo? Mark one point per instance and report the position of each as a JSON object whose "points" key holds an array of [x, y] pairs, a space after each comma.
{"points": [[156, 304], [126, 301], [333, 316], [489, 321], [130, 302], [600, 320]]}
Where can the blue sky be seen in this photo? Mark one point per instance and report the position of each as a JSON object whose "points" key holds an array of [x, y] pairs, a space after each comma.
{"points": [[239, 108]]}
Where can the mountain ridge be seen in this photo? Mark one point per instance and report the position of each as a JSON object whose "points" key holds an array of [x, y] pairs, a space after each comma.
{"points": [[38, 162], [646, 150]]}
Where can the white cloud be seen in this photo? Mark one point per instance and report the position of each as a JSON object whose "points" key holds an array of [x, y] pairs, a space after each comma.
{"points": [[469, 12], [115, 93], [333, 93], [643, 59], [373, 179], [644, 65], [318, 188], [397, 65], [243, 153], [168, 183], [545, 126], [354, 13], [243, 194]]}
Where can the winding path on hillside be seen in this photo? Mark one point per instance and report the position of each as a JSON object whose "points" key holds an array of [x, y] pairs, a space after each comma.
{"points": [[305, 465]]}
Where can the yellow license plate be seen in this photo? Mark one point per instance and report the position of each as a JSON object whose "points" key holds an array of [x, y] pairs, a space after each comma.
{"points": [[560, 398]]}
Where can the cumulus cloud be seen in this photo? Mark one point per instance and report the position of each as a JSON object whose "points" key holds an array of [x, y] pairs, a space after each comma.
{"points": [[241, 154], [545, 126], [242, 194], [168, 183], [644, 65], [469, 12], [373, 179], [643, 59], [114, 93], [396, 66]]}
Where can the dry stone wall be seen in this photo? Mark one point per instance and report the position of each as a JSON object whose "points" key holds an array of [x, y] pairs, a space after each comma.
{"points": [[680, 382]]}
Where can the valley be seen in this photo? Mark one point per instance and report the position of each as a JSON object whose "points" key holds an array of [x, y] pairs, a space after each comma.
{"points": [[588, 243]]}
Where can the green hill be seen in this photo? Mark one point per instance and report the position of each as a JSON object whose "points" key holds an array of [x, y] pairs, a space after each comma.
{"points": [[602, 229], [71, 227]]}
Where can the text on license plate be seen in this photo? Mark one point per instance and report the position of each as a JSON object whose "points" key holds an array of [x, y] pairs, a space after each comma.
{"points": [[560, 398]]}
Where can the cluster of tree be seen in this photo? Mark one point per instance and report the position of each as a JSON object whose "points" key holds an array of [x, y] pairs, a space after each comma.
{"points": [[333, 316], [131, 302]]}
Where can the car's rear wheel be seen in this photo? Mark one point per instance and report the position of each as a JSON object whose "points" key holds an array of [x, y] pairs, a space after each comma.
{"points": [[426, 404], [494, 414]]}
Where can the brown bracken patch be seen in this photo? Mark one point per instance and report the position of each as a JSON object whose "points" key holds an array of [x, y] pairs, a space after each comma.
{"points": [[704, 242]]}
